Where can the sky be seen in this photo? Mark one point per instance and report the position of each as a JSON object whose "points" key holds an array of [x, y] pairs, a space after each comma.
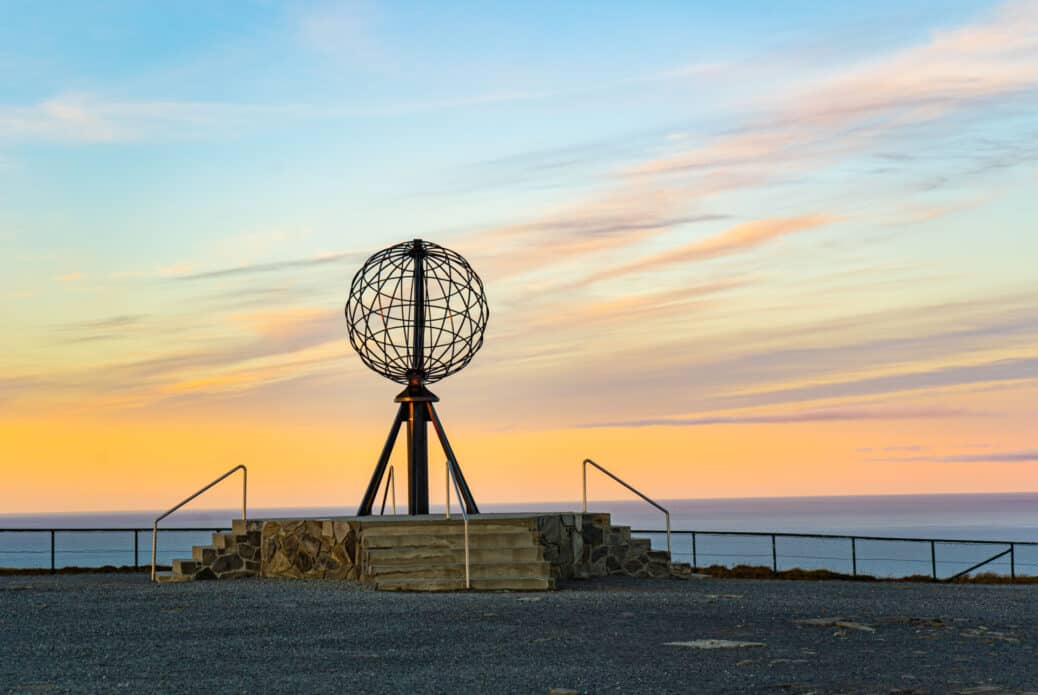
{"points": [[730, 249]]}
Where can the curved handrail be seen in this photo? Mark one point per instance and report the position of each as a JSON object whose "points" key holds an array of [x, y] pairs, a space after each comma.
{"points": [[464, 516], [244, 492], [584, 466], [390, 485]]}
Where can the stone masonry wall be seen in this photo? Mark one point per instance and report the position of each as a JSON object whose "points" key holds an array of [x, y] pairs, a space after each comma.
{"points": [[234, 555], [576, 545], [311, 549], [579, 546]]}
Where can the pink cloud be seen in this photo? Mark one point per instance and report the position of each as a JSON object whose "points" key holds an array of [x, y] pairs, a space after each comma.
{"points": [[735, 239]]}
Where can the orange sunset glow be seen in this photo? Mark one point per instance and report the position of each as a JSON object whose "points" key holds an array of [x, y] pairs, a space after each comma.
{"points": [[746, 268]]}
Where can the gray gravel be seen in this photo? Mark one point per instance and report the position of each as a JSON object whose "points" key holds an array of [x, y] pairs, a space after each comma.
{"points": [[101, 633]]}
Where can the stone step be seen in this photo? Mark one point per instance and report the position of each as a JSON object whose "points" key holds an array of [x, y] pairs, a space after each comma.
{"points": [[498, 584], [643, 545], [390, 556], [681, 570], [171, 578], [185, 567], [240, 527], [434, 528], [524, 539], [224, 541], [619, 535], [495, 570], [204, 554], [659, 555]]}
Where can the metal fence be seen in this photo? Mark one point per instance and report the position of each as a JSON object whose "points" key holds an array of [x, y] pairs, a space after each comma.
{"points": [[942, 559], [87, 554]]}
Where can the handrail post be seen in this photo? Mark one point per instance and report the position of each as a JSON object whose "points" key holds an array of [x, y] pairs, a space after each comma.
{"points": [[136, 550], [774, 555], [933, 560], [854, 558], [52, 567], [447, 485], [695, 562], [465, 522], [468, 578], [1012, 563], [154, 543], [667, 514], [584, 506]]}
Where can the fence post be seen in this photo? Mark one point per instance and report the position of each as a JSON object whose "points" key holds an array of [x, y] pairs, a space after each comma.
{"points": [[774, 555], [695, 564], [136, 546], [52, 570], [933, 560], [854, 557], [1012, 563]]}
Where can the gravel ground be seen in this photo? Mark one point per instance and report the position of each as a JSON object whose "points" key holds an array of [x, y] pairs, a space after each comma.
{"points": [[102, 633]]}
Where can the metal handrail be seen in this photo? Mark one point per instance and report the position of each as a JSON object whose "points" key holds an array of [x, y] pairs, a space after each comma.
{"points": [[666, 514], [464, 516], [390, 485], [244, 495]]}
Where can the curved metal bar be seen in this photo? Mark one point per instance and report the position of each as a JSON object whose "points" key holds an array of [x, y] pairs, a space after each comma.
{"points": [[666, 513], [244, 495]]}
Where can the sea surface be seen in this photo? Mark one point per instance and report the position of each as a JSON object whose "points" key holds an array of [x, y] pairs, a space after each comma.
{"points": [[995, 517]]}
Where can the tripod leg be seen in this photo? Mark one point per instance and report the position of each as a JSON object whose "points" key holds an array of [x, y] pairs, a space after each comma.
{"points": [[380, 469], [452, 461]]}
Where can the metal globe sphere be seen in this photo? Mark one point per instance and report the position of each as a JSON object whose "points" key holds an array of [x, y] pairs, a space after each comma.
{"points": [[416, 310]]}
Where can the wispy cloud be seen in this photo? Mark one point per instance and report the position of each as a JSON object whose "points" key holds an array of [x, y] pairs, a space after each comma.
{"points": [[1023, 456], [850, 108], [274, 266], [742, 237], [109, 328], [834, 415], [990, 371], [615, 220], [88, 118]]}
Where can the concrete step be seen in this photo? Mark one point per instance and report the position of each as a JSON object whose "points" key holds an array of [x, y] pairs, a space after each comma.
{"points": [[498, 584], [434, 528], [373, 539], [171, 578], [204, 554], [494, 570], [391, 556], [185, 567]]}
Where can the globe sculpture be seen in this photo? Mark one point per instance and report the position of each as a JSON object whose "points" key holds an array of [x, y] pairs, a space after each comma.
{"points": [[416, 314]]}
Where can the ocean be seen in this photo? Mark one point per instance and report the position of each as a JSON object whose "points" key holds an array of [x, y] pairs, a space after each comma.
{"points": [[1000, 517]]}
